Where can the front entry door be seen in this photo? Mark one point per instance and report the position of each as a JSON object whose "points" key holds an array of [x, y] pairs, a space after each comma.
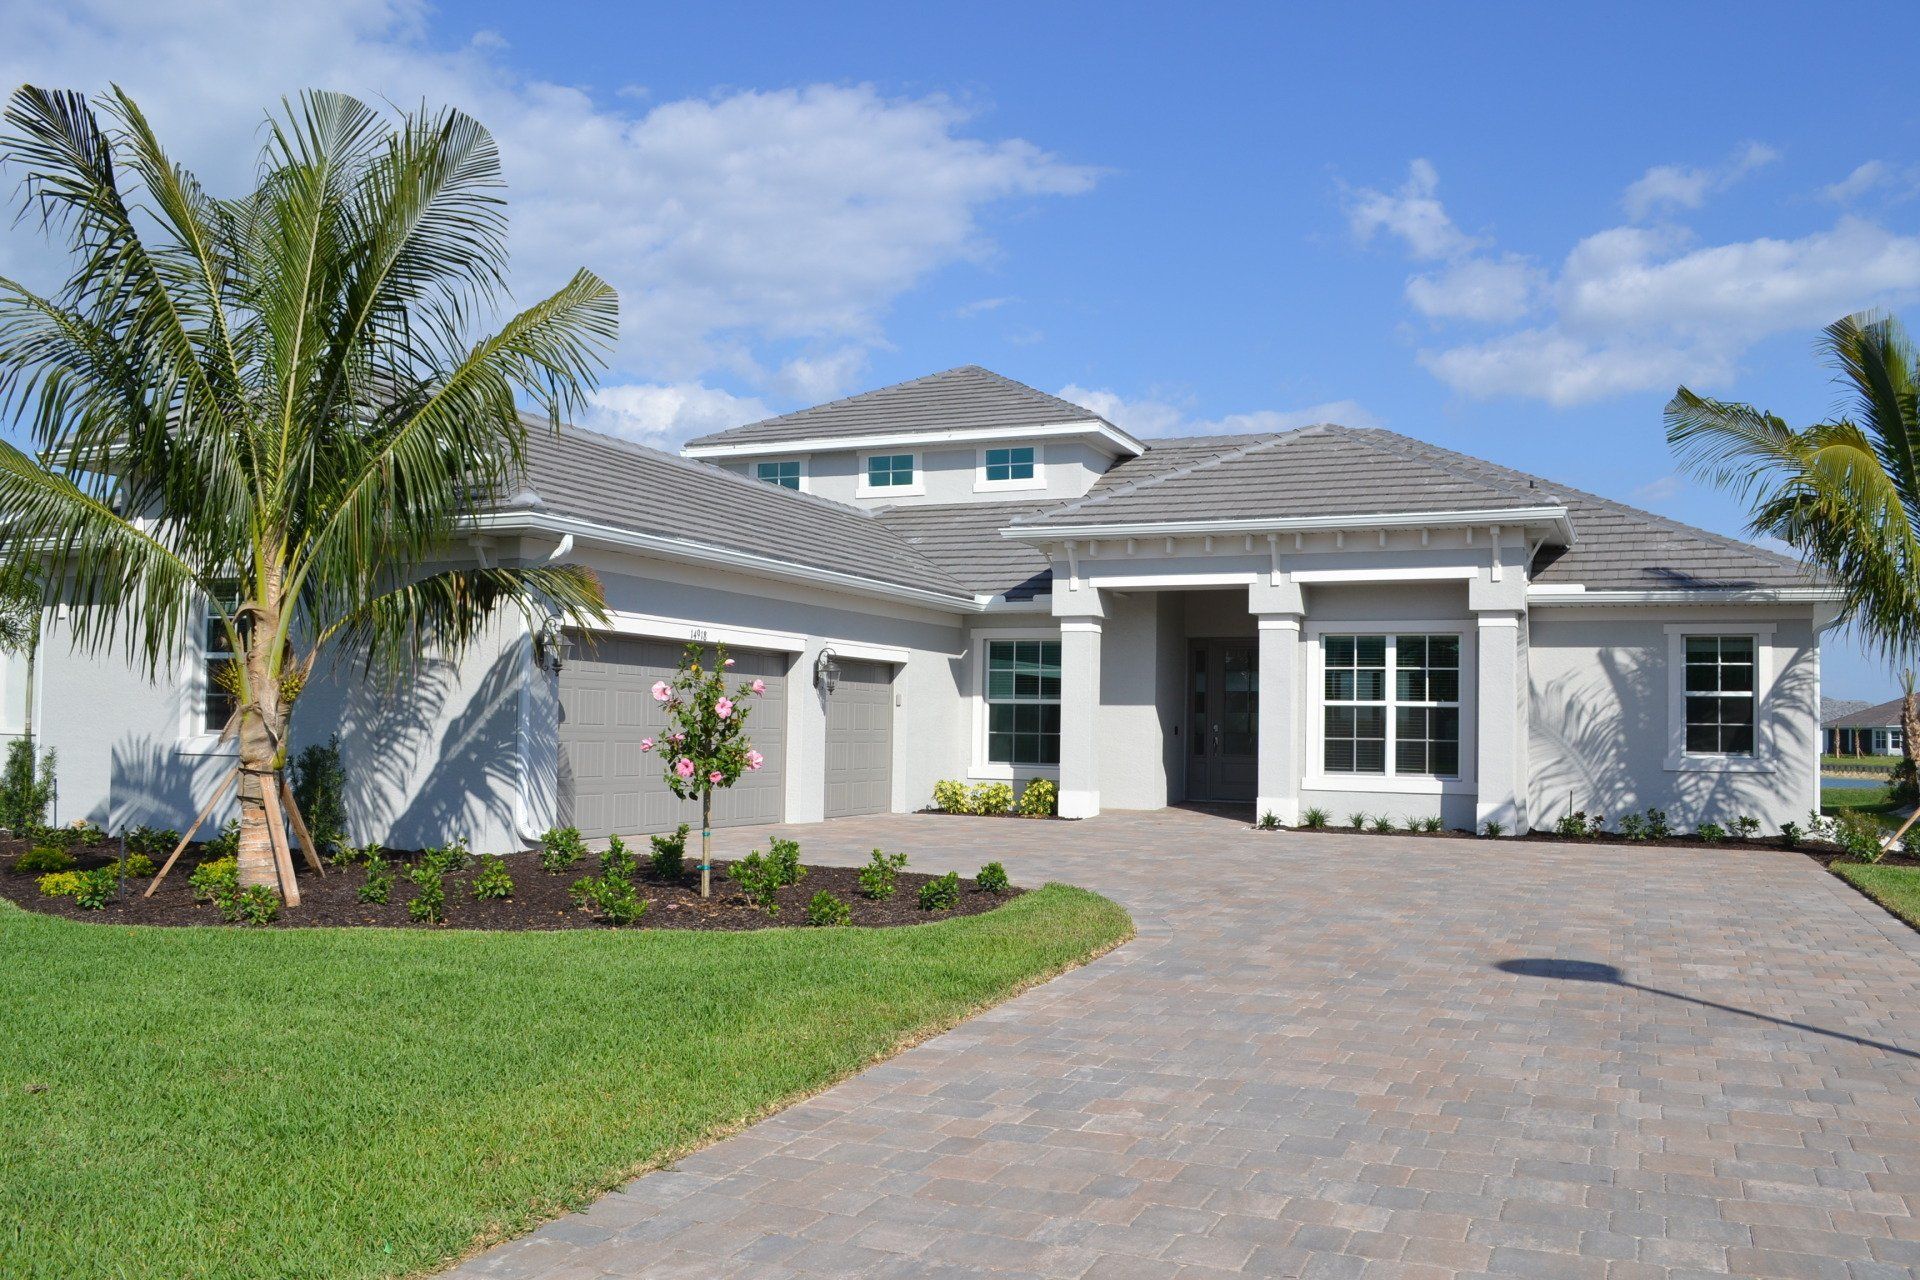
{"points": [[1223, 720]]}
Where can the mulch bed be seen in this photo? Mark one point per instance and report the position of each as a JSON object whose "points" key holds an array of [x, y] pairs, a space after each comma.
{"points": [[540, 900], [1024, 817], [1824, 854]]}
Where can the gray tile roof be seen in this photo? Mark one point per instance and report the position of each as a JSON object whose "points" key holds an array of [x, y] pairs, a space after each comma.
{"points": [[967, 398], [589, 476], [1836, 713], [964, 539]]}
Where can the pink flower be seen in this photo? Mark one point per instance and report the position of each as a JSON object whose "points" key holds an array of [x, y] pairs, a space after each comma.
{"points": [[755, 760], [661, 691], [758, 686], [723, 708], [646, 744], [716, 777], [729, 661], [678, 737], [683, 767]]}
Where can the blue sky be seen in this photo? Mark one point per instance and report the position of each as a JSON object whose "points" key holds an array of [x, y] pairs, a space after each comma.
{"points": [[1508, 229]]}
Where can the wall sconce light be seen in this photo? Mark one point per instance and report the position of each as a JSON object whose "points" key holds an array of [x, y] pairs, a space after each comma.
{"points": [[552, 645], [826, 672]]}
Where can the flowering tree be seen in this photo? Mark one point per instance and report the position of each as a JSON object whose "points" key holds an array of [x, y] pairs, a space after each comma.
{"points": [[705, 745]]}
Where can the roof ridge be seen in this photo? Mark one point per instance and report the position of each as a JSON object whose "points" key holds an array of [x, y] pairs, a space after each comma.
{"points": [[1172, 473], [1390, 441]]}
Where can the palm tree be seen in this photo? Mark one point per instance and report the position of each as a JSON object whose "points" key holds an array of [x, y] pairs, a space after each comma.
{"points": [[276, 407], [1845, 493]]}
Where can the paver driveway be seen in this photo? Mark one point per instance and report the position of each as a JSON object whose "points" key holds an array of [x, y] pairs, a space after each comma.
{"points": [[1311, 1063]]}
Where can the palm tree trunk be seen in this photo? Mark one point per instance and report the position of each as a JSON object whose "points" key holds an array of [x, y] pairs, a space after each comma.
{"points": [[263, 731], [1907, 774]]}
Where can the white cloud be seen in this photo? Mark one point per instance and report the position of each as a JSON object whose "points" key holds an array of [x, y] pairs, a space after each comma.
{"points": [[1413, 213], [757, 237], [1667, 187], [1898, 182], [1484, 289], [664, 415], [1151, 416], [979, 307], [1664, 489]]}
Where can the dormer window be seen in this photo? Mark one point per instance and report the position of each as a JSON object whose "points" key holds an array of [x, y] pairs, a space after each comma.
{"points": [[785, 472], [1009, 467], [890, 475]]}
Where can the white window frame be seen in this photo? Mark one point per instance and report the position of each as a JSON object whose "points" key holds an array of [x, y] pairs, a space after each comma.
{"points": [[195, 738], [1679, 759], [981, 769], [1316, 778], [918, 488], [1038, 480], [753, 470]]}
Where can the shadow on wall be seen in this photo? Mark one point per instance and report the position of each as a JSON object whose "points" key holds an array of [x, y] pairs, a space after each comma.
{"points": [[428, 773], [1604, 749], [153, 784]]}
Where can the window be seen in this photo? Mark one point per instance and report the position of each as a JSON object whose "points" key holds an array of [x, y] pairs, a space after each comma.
{"points": [[1406, 725], [890, 471], [1023, 702], [1719, 695], [1005, 465], [786, 473], [217, 702]]}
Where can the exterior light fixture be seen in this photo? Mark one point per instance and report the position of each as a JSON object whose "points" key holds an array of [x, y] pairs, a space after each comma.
{"points": [[826, 672], [552, 645]]}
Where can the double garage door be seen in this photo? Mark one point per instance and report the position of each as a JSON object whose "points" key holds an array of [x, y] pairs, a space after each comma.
{"points": [[608, 785]]}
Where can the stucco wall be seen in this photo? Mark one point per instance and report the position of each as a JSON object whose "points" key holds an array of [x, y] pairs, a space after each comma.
{"points": [[1600, 720], [948, 473], [1134, 724]]}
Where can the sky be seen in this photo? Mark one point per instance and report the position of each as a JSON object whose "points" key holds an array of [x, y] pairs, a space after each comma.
{"points": [[1508, 229]]}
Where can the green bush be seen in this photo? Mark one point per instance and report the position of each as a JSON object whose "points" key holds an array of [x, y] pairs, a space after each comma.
{"points": [[255, 904], [1314, 819], [560, 848], [992, 878], [1746, 826], [224, 845], [1269, 821], [1381, 824], [1578, 824], [348, 854], [25, 791], [1039, 799], [1710, 832], [758, 879], [990, 797], [1432, 824], [825, 910], [319, 783], [941, 894], [152, 842], [429, 901], [448, 859], [43, 859], [783, 857], [493, 880], [377, 888], [1494, 829], [877, 877], [1791, 834], [1358, 821], [138, 866], [612, 897], [950, 796], [1861, 839], [670, 854], [59, 884], [97, 888], [1633, 826], [1657, 828], [213, 879], [71, 836]]}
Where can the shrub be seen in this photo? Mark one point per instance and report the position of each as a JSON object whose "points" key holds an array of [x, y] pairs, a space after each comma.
{"points": [[1746, 827], [1494, 829], [1578, 824], [611, 896], [71, 836], [348, 854], [213, 879], [1314, 819], [1861, 838], [1358, 821], [991, 797], [255, 904], [43, 859], [1040, 799], [494, 881], [448, 859], [59, 884], [1657, 828], [825, 910], [152, 842], [137, 866], [1710, 833], [96, 888], [1790, 834], [429, 901], [992, 878], [1269, 821], [1383, 823], [670, 853], [224, 845], [758, 879], [25, 791], [877, 877], [378, 886], [783, 857], [560, 848], [319, 783], [950, 796], [941, 894], [1633, 826], [1432, 824], [618, 860]]}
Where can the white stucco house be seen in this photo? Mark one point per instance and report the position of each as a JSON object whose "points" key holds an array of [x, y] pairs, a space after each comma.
{"points": [[962, 577]]}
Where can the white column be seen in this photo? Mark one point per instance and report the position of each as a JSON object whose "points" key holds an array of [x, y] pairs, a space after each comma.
{"points": [[1279, 769], [1499, 724], [1079, 716]]}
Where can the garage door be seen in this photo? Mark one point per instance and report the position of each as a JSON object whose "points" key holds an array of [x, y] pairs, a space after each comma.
{"points": [[860, 740], [608, 785]]}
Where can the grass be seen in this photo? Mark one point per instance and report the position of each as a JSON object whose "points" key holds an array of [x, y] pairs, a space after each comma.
{"points": [[352, 1103], [1871, 799], [1864, 764], [1895, 888]]}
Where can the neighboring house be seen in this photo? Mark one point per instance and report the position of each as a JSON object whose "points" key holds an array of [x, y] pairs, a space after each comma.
{"points": [[1857, 729], [962, 577]]}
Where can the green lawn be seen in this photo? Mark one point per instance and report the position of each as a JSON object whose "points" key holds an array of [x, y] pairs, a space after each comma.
{"points": [[1895, 888], [1872, 798], [338, 1103], [1871, 764]]}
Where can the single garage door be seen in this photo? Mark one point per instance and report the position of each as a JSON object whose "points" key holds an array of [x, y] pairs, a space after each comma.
{"points": [[860, 740], [608, 785]]}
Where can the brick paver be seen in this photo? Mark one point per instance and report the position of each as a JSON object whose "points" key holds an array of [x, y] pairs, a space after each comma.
{"points": [[1311, 1063]]}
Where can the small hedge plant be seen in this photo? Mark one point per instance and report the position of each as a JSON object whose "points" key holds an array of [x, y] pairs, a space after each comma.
{"points": [[378, 886], [151, 842], [992, 879], [560, 848], [429, 902], [669, 858], [1040, 799], [990, 798], [493, 881], [950, 796], [611, 895], [762, 876], [878, 876], [41, 860], [826, 911], [941, 894], [1314, 819], [59, 884]]}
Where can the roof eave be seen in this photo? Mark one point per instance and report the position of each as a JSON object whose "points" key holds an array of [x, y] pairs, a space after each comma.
{"points": [[1119, 440], [1554, 517], [1575, 595]]}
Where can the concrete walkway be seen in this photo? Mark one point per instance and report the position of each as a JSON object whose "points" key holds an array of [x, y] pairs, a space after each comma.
{"points": [[1346, 1056]]}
